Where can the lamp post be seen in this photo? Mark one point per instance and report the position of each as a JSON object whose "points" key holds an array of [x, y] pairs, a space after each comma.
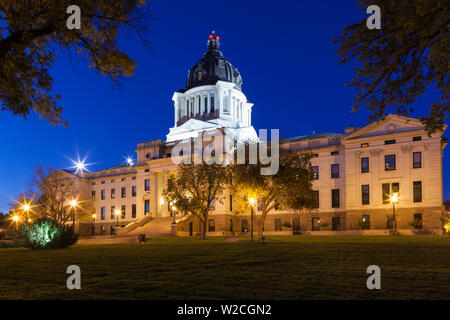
{"points": [[26, 207], [394, 200], [16, 220], [73, 203], [94, 216], [117, 212], [252, 202]]}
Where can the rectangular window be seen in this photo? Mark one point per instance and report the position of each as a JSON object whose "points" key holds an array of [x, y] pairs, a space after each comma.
{"points": [[418, 221], [133, 178], [113, 212], [315, 222], [231, 225], [211, 225], [244, 224], [417, 138], [102, 211], [365, 223], [417, 191], [212, 105], [147, 170], [365, 194], [147, 207], [212, 205], [276, 205], [133, 191], [231, 202], [335, 153], [364, 165], [122, 211], [335, 198], [389, 162], [316, 199], [315, 171], [314, 155], [335, 223], [389, 141], [396, 188], [417, 160], [364, 145], [386, 190], [335, 171], [133, 211], [277, 224], [102, 194], [124, 192], [260, 204], [147, 185], [113, 193], [93, 194]]}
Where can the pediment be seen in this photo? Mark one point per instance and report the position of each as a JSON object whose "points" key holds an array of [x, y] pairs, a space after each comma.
{"points": [[391, 124]]}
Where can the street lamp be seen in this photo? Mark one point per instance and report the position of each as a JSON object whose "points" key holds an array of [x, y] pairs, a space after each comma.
{"points": [[16, 219], [394, 200], [26, 207], [94, 216], [73, 203], [117, 212], [252, 203]]}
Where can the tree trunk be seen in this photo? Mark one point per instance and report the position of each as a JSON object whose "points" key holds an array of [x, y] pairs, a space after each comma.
{"points": [[260, 227], [204, 222]]}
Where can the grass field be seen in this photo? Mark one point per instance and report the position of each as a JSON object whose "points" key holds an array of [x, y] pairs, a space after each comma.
{"points": [[299, 267]]}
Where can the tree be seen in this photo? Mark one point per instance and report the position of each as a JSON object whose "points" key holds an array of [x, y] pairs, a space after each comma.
{"points": [[54, 191], [290, 187], [402, 59], [31, 32], [196, 187]]}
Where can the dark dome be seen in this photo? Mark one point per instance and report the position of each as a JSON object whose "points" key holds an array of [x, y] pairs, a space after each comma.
{"points": [[213, 67]]}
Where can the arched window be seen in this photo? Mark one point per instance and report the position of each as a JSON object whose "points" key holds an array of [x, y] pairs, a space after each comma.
{"points": [[226, 106]]}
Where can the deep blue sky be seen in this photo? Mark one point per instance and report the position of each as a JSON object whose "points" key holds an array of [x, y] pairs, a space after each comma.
{"points": [[283, 50]]}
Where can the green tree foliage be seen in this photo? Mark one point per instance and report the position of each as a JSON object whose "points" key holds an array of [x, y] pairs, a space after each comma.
{"points": [[402, 59], [44, 233], [196, 187], [290, 188], [32, 32]]}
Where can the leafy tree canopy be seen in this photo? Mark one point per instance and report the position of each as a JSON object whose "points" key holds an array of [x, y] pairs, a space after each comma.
{"points": [[31, 33], [402, 59], [291, 187], [197, 187]]}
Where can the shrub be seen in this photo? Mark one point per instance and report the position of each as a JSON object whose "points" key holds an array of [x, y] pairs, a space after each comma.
{"points": [[45, 233]]}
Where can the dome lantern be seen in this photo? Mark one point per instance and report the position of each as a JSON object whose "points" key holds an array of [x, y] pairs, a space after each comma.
{"points": [[213, 67]]}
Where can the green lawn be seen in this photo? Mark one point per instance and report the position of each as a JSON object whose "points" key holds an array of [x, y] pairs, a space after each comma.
{"points": [[299, 267]]}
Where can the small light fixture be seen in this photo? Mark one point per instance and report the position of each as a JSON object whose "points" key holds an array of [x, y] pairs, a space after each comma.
{"points": [[161, 201]]}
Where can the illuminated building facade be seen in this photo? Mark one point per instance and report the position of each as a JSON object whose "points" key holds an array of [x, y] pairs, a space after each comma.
{"points": [[356, 171]]}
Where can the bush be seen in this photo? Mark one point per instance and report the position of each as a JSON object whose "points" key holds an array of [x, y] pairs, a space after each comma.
{"points": [[45, 233]]}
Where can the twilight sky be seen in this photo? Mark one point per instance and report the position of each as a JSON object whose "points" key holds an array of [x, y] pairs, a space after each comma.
{"points": [[283, 50]]}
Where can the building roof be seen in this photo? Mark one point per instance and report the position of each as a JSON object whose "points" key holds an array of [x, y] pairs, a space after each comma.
{"points": [[213, 67], [310, 137]]}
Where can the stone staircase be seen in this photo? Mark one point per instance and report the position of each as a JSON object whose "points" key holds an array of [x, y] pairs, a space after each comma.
{"points": [[155, 227]]}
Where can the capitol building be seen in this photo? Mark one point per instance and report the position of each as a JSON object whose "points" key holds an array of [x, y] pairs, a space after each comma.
{"points": [[356, 171]]}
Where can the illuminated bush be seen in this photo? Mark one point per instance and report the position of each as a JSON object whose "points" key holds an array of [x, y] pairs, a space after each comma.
{"points": [[45, 233]]}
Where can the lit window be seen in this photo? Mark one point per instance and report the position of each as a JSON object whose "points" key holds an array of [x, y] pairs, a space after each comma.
{"points": [[315, 171], [389, 162]]}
